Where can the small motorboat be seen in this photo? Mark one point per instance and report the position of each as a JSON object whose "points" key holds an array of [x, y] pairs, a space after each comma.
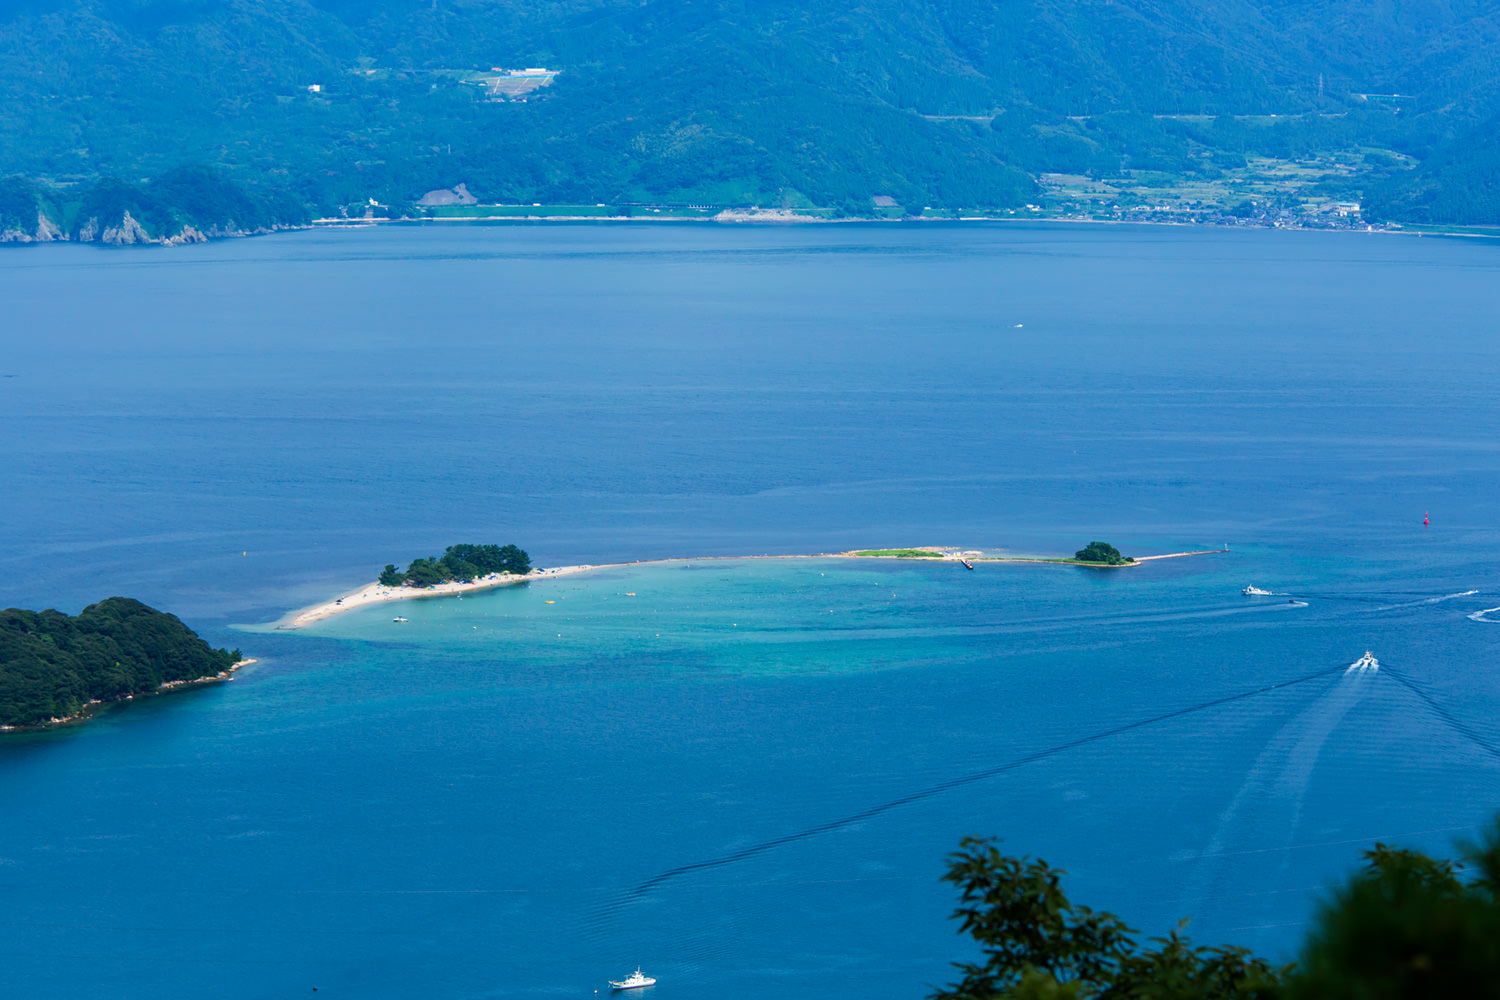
{"points": [[632, 982], [967, 564], [398, 619], [1364, 663], [1255, 592]]}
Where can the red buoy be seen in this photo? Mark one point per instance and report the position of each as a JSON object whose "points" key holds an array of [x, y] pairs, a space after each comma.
{"points": [[1424, 517]]}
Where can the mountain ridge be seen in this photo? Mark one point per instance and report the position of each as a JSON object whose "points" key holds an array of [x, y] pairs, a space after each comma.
{"points": [[331, 104]]}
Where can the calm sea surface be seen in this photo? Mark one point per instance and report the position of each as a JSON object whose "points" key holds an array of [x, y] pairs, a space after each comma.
{"points": [[746, 776]]}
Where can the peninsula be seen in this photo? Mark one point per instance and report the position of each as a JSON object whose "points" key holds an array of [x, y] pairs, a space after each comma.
{"points": [[394, 586], [376, 592], [1096, 554], [56, 668]]}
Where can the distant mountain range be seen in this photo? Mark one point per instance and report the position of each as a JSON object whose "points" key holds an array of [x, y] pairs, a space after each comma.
{"points": [[319, 106]]}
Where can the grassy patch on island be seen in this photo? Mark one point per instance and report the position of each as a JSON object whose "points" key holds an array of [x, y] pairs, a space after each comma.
{"points": [[901, 553]]}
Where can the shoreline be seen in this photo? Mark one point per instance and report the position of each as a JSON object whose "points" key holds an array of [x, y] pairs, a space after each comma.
{"points": [[792, 217], [377, 593], [91, 708]]}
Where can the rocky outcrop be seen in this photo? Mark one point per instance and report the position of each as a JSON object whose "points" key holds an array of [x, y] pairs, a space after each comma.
{"points": [[456, 196], [232, 231], [46, 231], [188, 235], [126, 233]]}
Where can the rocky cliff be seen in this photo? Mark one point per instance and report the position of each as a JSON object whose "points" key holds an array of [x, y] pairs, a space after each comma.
{"points": [[45, 232]]}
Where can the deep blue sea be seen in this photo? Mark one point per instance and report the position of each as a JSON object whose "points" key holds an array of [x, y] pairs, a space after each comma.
{"points": [[743, 775]]}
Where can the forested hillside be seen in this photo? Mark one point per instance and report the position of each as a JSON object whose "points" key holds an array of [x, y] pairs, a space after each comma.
{"points": [[321, 106], [53, 665]]}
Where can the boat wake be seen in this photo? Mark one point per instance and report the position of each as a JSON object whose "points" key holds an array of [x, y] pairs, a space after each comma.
{"points": [[655, 882], [1266, 812], [1472, 735], [1484, 616], [1432, 600]]}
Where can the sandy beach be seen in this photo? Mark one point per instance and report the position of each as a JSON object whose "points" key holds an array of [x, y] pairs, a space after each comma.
{"points": [[376, 593]]}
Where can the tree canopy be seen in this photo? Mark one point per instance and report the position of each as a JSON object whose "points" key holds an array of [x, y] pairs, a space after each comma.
{"points": [[1037, 943], [458, 562], [52, 664], [1101, 552], [1405, 927]]}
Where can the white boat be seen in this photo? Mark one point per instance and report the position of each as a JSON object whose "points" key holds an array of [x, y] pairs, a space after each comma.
{"points": [[633, 982], [1255, 592], [1366, 662], [398, 619]]}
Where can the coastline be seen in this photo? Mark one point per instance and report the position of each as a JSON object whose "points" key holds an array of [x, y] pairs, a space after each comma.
{"points": [[376, 593], [90, 708], [740, 217], [793, 217]]}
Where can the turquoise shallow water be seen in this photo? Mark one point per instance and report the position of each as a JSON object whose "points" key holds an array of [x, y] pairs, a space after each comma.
{"points": [[746, 776]]}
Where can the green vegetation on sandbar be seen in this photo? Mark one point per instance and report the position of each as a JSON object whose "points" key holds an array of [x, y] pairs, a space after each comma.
{"points": [[459, 563], [901, 553], [53, 666], [1100, 554]]}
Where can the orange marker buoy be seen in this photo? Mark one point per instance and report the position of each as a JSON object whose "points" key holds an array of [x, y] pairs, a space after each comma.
{"points": [[1424, 517]]}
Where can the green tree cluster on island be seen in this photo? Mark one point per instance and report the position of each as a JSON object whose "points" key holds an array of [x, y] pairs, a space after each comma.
{"points": [[458, 563], [1405, 926], [52, 665], [1101, 552]]}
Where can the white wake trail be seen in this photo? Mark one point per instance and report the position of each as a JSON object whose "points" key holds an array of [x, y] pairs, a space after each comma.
{"points": [[1431, 600], [1267, 810]]}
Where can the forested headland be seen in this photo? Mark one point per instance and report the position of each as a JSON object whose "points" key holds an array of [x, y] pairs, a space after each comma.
{"points": [[53, 666], [460, 563], [184, 205]]}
